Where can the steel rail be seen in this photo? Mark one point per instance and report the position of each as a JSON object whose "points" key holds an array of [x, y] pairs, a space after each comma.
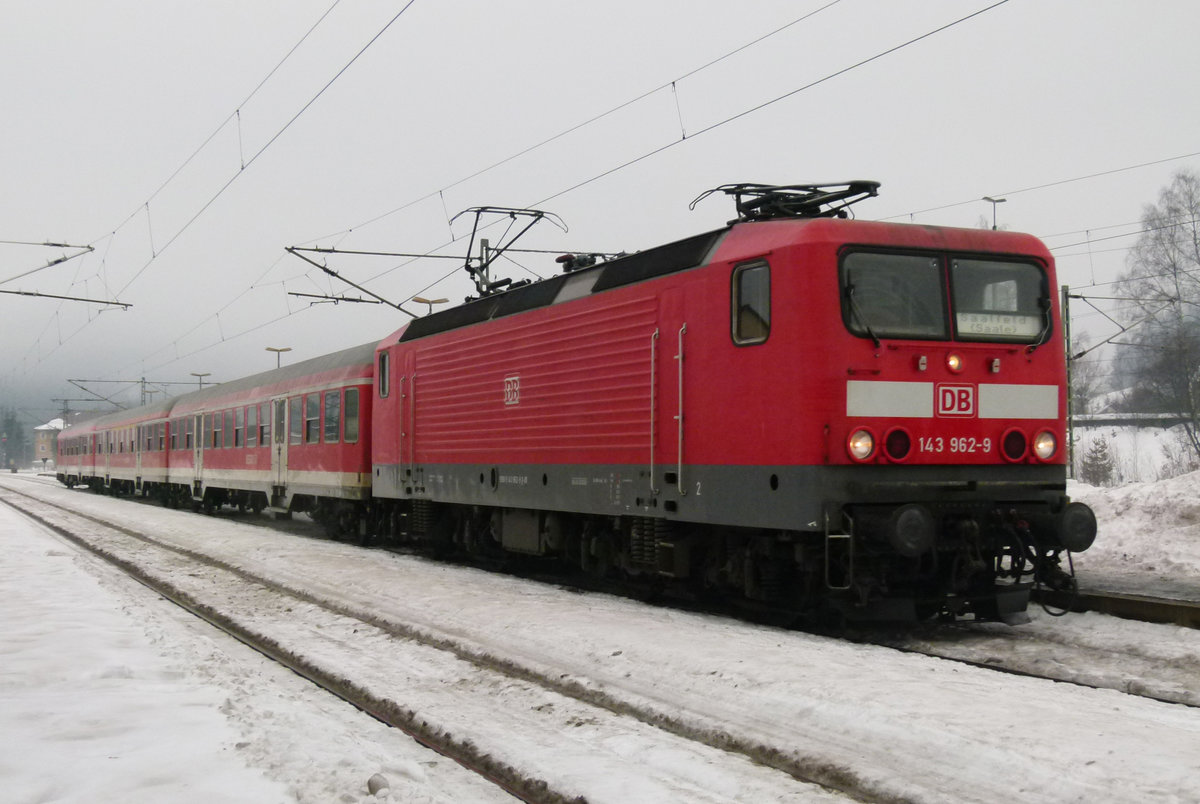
{"points": [[388, 713]]}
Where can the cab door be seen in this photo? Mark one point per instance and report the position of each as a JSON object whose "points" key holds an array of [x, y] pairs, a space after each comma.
{"points": [[669, 354]]}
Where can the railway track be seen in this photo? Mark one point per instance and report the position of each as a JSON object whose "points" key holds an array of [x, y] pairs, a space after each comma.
{"points": [[764, 694], [250, 608], [1128, 606]]}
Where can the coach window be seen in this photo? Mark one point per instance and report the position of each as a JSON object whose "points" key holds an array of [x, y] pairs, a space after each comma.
{"points": [[251, 425], [162, 436], [239, 427], [228, 428], [264, 424], [751, 303], [187, 432], [295, 420], [383, 374], [351, 411], [312, 419], [333, 416]]}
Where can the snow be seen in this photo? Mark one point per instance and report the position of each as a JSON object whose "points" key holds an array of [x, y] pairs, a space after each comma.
{"points": [[1148, 540], [1138, 454], [107, 693]]}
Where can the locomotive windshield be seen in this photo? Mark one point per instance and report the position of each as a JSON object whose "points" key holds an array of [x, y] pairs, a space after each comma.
{"points": [[904, 296], [997, 301], [894, 295]]}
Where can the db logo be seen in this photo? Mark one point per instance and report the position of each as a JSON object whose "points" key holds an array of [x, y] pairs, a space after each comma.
{"points": [[955, 400], [512, 390]]}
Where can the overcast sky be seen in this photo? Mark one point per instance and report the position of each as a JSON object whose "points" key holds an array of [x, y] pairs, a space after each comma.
{"points": [[103, 103]]}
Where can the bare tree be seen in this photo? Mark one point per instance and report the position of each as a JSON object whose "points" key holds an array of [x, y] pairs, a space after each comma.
{"points": [[1088, 378], [1162, 284]]}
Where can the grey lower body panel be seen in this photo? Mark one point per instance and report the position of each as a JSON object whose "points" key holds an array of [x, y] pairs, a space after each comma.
{"points": [[774, 497]]}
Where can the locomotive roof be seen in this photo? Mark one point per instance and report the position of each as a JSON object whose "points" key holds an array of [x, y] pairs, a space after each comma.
{"points": [[771, 232], [658, 261]]}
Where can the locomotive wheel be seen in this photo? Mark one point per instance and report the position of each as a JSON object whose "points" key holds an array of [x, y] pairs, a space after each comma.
{"points": [[598, 555]]}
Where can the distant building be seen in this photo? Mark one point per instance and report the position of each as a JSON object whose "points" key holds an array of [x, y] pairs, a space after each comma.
{"points": [[45, 443]]}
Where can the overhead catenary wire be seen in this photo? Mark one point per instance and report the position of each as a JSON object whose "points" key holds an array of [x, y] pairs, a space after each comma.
{"points": [[269, 143], [578, 126], [146, 204], [523, 152], [235, 113], [1047, 185], [156, 254], [759, 107], [707, 129], [686, 137]]}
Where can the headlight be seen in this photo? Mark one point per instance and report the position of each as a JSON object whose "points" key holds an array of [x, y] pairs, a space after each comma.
{"points": [[1045, 445], [954, 363], [861, 445], [1013, 445]]}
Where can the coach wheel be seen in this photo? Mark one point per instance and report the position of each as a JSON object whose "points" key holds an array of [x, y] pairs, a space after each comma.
{"points": [[348, 521]]}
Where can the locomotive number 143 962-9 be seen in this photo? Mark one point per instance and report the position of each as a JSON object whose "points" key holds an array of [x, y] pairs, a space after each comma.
{"points": [[968, 445]]}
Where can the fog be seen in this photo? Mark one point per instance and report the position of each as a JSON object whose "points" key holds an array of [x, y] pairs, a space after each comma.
{"points": [[180, 145]]}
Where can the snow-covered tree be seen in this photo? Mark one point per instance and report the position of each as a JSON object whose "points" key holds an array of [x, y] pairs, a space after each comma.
{"points": [[1096, 467]]}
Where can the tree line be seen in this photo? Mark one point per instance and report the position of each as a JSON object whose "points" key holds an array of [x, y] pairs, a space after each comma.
{"points": [[1156, 363]]}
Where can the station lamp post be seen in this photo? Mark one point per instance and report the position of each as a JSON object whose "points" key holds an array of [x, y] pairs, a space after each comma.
{"points": [[278, 350], [994, 202], [200, 375], [430, 302]]}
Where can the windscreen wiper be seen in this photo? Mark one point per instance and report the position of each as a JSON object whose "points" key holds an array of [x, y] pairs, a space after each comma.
{"points": [[1044, 335], [862, 319]]}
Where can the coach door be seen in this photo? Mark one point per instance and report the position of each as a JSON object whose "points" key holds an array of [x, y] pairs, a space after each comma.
{"points": [[141, 437], [279, 445], [197, 454]]}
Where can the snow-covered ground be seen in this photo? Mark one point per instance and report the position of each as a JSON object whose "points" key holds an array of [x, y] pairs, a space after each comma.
{"points": [[108, 694], [1149, 538]]}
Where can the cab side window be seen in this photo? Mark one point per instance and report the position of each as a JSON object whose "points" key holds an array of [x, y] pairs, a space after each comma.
{"points": [[751, 293], [382, 375]]}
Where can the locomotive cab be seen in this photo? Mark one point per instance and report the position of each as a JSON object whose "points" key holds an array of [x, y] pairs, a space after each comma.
{"points": [[955, 417]]}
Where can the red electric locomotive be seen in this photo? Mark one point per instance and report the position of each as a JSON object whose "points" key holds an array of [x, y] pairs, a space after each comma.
{"points": [[801, 410], [797, 409]]}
